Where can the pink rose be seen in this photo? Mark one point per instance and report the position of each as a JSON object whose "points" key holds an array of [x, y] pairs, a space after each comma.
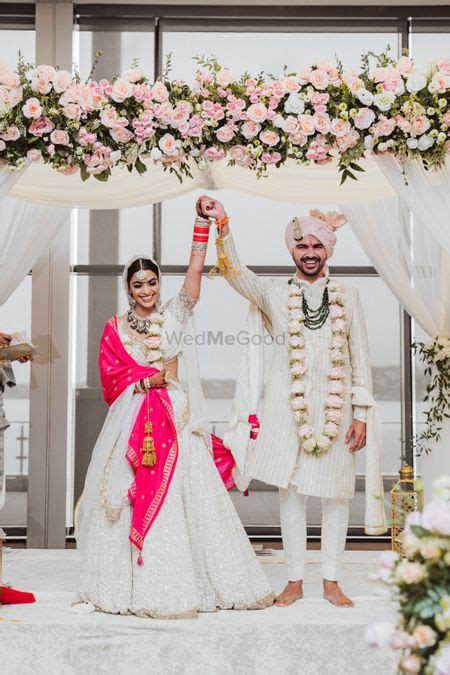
{"points": [[269, 138], [121, 90], [335, 387], [305, 431], [307, 125], [304, 74], [336, 311], [160, 92], [250, 129], [340, 127], [11, 134], [337, 341], [41, 126], [441, 82], [238, 153], [322, 122], [32, 109], [121, 134], [15, 96], [355, 84], [446, 118], [388, 559], [420, 125], [364, 118], [403, 124], [225, 77], [108, 116], [44, 71], [444, 65], [59, 137], [224, 134], [34, 155], [257, 112], [215, 154], [290, 124], [291, 84], [180, 115], [10, 80], [319, 79], [410, 572], [405, 65], [385, 126], [62, 79], [72, 111], [132, 74], [2, 145], [41, 85], [411, 664], [168, 144]]}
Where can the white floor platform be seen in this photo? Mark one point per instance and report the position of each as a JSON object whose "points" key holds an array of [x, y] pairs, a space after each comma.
{"points": [[310, 637]]}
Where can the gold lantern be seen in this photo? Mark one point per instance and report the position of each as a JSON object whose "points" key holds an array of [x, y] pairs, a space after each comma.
{"points": [[406, 497]]}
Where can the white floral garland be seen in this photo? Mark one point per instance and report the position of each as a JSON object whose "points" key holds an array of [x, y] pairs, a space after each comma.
{"points": [[153, 341], [334, 402]]}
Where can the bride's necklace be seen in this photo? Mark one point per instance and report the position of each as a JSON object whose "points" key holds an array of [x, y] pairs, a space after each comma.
{"points": [[141, 325]]}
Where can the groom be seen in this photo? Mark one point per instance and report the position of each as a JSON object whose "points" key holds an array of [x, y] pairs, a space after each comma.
{"points": [[317, 396]]}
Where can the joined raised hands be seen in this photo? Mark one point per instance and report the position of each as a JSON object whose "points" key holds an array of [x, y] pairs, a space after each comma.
{"points": [[207, 207]]}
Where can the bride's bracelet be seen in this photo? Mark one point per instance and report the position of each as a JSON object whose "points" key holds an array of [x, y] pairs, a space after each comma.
{"points": [[201, 234]]}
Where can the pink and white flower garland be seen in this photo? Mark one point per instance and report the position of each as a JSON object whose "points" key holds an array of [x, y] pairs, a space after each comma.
{"points": [[153, 341], [334, 402]]}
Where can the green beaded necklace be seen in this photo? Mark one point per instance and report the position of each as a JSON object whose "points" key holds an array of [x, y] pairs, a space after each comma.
{"points": [[315, 318]]}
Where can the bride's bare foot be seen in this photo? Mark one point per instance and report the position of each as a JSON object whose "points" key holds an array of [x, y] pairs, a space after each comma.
{"points": [[292, 592], [333, 593]]}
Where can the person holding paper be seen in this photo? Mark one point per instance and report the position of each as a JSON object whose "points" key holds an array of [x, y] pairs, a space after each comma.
{"points": [[6, 380]]}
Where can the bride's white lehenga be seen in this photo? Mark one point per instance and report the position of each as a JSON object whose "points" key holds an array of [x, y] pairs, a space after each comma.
{"points": [[197, 557]]}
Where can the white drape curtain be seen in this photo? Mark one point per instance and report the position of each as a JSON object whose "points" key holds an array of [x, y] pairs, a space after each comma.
{"points": [[426, 192], [25, 231], [416, 267]]}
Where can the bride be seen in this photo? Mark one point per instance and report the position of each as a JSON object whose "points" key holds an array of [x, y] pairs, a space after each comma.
{"points": [[157, 530]]}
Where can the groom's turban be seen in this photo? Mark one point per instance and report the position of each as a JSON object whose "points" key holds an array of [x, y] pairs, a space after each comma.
{"points": [[321, 225]]}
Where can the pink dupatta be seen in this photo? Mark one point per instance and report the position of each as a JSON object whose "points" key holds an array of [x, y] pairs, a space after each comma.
{"points": [[118, 370]]}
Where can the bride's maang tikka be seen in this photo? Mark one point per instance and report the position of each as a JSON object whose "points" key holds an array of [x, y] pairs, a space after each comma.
{"points": [[141, 274]]}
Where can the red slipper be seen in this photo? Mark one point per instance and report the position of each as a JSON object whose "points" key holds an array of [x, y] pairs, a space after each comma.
{"points": [[9, 596]]}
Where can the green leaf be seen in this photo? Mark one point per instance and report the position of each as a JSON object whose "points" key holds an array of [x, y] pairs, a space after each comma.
{"points": [[140, 166], [356, 167], [84, 172]]}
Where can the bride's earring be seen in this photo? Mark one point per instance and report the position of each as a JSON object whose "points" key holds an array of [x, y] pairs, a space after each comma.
{"points": [[131, 301]]}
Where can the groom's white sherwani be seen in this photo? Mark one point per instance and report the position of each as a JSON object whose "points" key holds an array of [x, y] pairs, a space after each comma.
{"points": [[275, 457]]}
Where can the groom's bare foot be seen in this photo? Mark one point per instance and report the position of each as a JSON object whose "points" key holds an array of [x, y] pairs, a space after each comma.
{"points": [[333, 593], [292, 592]]}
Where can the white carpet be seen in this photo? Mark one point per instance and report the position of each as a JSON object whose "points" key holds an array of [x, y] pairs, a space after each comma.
{"points": [[310, 637]]}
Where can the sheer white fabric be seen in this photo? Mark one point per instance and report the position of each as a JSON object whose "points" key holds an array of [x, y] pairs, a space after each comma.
{"points": [[197, 556], [427, 193], [416, 267], [292, 183], [25, 231]]}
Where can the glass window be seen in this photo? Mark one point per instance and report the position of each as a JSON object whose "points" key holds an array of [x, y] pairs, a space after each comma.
{"points": [[13, 40], [15, 315], [270, 51]]}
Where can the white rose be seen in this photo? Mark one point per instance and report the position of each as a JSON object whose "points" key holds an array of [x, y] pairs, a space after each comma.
{"points": [[412, 143], [384, 100], [364, 96], [425, 142], [323, 443], [415, 82], [309, 445], [379, 635], [294, 104]]}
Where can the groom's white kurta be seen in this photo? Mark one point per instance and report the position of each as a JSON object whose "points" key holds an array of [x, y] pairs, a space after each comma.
{"points": [[275, 457]]}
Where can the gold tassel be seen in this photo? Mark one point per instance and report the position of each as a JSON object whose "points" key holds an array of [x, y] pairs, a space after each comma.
{"points": [[148, 447], [223, 266]]}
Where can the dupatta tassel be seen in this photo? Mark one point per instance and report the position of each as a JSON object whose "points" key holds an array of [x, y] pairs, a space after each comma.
{"points": [[148, 447], [140, 560]]}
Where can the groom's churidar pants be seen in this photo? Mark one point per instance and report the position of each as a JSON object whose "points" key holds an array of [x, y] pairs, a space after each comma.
{"points": [[335, 514]]}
